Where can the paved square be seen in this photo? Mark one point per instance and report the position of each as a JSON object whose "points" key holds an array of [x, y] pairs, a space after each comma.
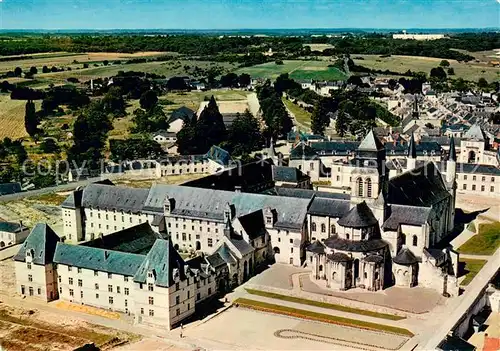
{"points": [[240, 328], [277, 276]]}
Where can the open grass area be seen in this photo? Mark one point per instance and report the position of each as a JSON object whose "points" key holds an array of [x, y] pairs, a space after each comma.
{"points": [[472, 267], [297, 69], [320, 317], [486, 242], [324, 305], [302, 116], [467, 70], [49, 199]]}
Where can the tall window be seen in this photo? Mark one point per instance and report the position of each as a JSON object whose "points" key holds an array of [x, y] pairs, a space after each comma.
{"points": [[403, 239], [368, 185], [359, 186], [415, 240], [313, 227], [323, 228]]}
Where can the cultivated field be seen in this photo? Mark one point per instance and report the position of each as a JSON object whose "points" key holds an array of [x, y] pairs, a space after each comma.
{"points": [[470, 70], [319, 47], [299, 70], [12, 117]]}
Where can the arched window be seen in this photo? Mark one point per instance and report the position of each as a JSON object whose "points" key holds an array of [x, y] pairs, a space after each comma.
{"points": [[313, 226], [368, 186], [359, 186], [403, 239], [415, 240], [332, 229], [323, 228], [321, 268], [276, 250]]}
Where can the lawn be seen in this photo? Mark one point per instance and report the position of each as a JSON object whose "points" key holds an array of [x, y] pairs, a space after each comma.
{"points": [[320, 317], [324, 305], [484, 243], [302, 117], [473, 267], [297, 69], [467, 70]]}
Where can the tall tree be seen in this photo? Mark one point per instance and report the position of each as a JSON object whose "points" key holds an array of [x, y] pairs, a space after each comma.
{"points": [[244, 134], [186, 139], [210, 128], [33, 70], [18, 71], [152, 120], [319, 118], [482, 83], [30, 119], [148, 99], [113, 102], [342, 123]]}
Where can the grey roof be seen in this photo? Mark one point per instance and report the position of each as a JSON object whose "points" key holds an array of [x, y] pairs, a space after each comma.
{"points": [[334, 242], [441, 140], [308, 193], [409, 215], [225, 253], [74, 200], [9, 188], [371, 143], [422, 186], [242, 246], [360, 216], [475, 132], [338, 257], [288, 174], [373, 258], [42, 241], [98, 259], [209, 203], [253, 224], [112, 197], [183, 112], [405, 257], [303, 151], [11, 227], [454, 343], [162, 259], [316, 247], [137, 239], [216, 260], [329, 207]]}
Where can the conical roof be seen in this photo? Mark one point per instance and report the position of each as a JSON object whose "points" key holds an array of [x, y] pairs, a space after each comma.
{"points": [[316, 247], [412, 150], [371, 143], [453, 153], [360, 216], [405, 257]]}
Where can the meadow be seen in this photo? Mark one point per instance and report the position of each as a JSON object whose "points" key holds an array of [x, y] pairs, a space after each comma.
{"points": [[299, 70], [466, 70]]}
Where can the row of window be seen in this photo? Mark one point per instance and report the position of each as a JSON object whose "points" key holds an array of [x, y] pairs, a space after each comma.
{"points": [[192, 228], [492, 188], [323, 228], [30, 290], [414, 240], [483, 178], [96, 273]]}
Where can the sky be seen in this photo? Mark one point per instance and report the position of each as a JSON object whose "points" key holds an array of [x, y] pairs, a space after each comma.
{"points": [[248, 14]]}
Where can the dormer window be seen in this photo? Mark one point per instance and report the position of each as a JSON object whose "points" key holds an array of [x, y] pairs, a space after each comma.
{"points": [[150, 274]]}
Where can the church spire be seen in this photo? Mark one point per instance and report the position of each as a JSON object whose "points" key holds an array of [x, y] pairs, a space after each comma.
{"points": [[412, 150], [453, 153]]}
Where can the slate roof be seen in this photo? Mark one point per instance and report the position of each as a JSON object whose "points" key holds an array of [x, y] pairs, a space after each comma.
{"points": [[216, 260], [98, 259], [329, 207], [338, 257], [303, 152], [409, 215], [183, 112], [316, 247], [137, 239], [373, 258], [422, 148], [11, 227], [336, 243], [475, 132], [288, 174], [114, 198], [253, 224], [218, 155], [162, 259], [42, 240], [9, 188], [454, 343], [405, 257], [422, 186], [335, 147], [242, 246], [74, 200], [360, 216], [441, 140], [308, 193], [225, 253], [371, 143], [208, 203]]}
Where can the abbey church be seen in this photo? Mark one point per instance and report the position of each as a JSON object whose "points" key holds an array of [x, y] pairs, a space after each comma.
{"points": [[385, 231]]}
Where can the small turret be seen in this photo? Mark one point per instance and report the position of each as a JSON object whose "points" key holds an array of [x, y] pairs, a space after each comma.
{"points": [[451, 164], [411, 161]]}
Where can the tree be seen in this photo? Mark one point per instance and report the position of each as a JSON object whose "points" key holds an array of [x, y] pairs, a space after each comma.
{"points": [[482, 83], [244, 134], [319, 117], [18, 71], [152, 120], [229, 80], [495, 118], [444, 63], [279, 62], [451, 71], [439, 73], [45, 69], [113, 102], [33, 70], [148, 99], [134, 149], [49, 146], [244, 80], [342, 123], [54, 69], [105, 62], [210, 128], [90, 133], [30, 119], [186, 139], [85, 65], [460, 85]]}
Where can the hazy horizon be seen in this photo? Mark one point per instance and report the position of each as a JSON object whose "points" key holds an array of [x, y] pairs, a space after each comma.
{"points": [[227, 15]]}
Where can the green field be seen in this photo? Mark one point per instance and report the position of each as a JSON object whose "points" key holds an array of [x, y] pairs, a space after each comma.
{"points": [[473, 267], [299, 70], [484, 243], [467, 70], [302, 117]]}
